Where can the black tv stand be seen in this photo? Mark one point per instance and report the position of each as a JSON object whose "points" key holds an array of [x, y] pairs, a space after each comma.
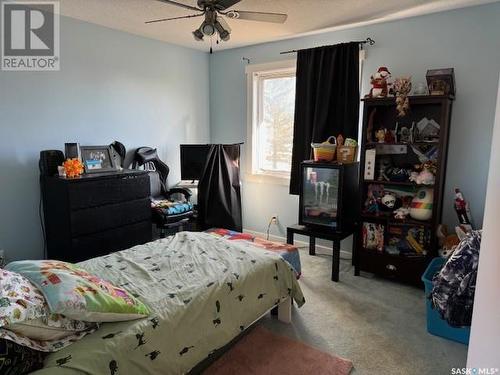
{"points": [[313, 233]]}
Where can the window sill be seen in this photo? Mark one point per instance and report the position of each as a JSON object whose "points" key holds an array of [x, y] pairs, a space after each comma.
{"points": [[267, 179]]}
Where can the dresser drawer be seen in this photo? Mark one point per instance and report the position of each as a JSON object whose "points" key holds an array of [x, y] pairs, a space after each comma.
{"points": [[98, 219], [98, 192], [102, 243], [395, 267]]}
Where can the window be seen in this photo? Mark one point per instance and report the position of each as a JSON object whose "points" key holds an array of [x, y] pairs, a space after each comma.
{"points": [[271, 113]]}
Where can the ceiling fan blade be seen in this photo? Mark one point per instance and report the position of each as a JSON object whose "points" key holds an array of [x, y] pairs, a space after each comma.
{"points": [[180, 5], [224, 4], [256, 16], [175, 18]]}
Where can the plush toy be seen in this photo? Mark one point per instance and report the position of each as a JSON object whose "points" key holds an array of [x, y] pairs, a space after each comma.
{"points": [[425, 174], [425, 177], [402, 87], [448, 242], [401, 213], [421, 205], [388, 202], [379, 82]]}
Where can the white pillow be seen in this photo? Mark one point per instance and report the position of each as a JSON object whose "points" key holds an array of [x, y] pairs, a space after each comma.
{"points": [[51, 327]]}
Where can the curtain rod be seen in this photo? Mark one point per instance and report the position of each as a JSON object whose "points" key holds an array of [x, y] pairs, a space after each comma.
{"points": [[368, 40]]}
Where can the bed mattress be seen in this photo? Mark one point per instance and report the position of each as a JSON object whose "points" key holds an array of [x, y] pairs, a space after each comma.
{"points": [[202, 290]]}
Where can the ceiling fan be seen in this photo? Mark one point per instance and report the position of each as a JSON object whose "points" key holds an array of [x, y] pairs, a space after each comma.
{"points": [[212, 10]]}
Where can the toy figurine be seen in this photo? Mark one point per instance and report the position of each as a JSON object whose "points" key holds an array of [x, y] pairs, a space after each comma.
{"points": [[374, 193], [462, 208], [371, 204], [405, 135], [389, 136], [380, 84], [380, 135], [384, 164], [340, 140]]}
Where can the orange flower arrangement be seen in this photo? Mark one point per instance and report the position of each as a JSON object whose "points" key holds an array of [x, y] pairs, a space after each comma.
{"points": [[73, 168]]}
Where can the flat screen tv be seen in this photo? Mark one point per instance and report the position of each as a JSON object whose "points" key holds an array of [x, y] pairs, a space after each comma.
{"points": [[193, 158]]}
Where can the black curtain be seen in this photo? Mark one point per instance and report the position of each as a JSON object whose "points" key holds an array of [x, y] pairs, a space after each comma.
{"points": [[327, 100], [219, 196]]}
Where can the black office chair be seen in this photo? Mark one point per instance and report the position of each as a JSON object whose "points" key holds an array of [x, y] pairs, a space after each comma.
{"points": [[168, 212]]}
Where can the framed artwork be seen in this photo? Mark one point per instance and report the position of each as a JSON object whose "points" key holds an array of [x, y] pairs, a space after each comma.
{"points": [[97, 159]]}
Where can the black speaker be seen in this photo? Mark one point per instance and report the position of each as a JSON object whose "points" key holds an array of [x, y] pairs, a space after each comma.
{"points": [[49, 161]]}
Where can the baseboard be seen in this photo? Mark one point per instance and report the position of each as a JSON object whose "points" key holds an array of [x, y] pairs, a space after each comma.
{"points": [[272, 237]]}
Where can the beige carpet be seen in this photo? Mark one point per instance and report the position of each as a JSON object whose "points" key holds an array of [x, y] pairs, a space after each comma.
{"points": [[378, 324], [263, 352]]}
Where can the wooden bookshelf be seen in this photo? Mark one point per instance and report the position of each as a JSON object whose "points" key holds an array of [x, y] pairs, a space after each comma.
{"points": [[405, 267]]}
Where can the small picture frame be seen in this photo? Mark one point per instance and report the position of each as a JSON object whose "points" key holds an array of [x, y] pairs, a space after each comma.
{"points": [[97, 159], [72, 151]]}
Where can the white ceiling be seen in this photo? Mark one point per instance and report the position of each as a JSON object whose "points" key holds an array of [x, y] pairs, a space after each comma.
{"points": [[304, 17]]}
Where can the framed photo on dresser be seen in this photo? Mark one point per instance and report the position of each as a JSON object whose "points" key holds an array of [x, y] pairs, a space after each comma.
{"points": [[97, 159]]}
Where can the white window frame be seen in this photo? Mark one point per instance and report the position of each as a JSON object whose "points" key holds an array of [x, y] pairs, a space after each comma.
{"points": [[254, 110]]}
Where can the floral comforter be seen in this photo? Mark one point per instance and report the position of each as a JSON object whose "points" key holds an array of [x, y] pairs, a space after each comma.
{"points": [[203, 291]]}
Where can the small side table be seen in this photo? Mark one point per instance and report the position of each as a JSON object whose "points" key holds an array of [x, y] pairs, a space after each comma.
{"points": [[336, 237]]}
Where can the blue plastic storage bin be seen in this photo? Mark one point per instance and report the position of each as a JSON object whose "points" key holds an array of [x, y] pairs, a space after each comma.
{"points": [[436, 325]]}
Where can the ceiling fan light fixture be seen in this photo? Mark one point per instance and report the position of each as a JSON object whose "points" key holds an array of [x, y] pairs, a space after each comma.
{"points": [[198, 35], [207, 29], [224, 34]]}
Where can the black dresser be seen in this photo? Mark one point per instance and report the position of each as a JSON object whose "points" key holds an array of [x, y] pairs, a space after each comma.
{"points": [[95, 215]]}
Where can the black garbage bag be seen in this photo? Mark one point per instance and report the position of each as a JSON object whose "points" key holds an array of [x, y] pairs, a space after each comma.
{"points": [[455, 285]]}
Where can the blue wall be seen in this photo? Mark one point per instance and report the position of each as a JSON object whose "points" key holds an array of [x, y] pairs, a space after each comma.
{"points": [[112, 86], [116, 86], [466, 39]]}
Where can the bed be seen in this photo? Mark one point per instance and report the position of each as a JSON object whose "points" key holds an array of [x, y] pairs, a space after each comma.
{"points": [[287, 251], [203, 291]]}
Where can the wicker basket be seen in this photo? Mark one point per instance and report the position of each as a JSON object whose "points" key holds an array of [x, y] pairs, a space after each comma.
{"points": [[346, 154], [325, 151]]}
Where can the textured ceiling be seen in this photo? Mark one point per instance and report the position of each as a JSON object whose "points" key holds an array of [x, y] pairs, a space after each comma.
{"points": [[304, 16]]}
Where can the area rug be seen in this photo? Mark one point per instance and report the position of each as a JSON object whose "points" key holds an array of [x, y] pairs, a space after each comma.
{"points": [[261, 352]]}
